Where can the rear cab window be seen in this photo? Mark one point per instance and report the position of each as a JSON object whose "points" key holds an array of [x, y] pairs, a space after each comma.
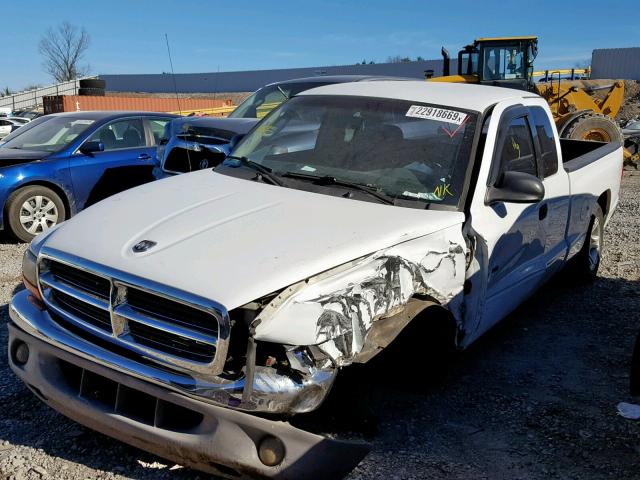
{"points": [[544, 130]]}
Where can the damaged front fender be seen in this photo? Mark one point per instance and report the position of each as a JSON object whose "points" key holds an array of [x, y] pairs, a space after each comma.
{"points": [[337, 311]]}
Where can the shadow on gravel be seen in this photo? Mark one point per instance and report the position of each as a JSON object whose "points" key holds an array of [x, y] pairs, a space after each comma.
{"points": [[534, 397], [7, 239]]}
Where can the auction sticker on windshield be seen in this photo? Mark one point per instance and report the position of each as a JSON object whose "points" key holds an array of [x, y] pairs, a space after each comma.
{"points": [[438, 114]]}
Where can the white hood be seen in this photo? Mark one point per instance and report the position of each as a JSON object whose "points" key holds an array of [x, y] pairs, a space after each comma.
{"points": [[234, 240]]}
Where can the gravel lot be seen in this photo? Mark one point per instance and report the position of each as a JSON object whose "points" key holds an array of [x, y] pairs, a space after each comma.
{"points": [[535, 398]]}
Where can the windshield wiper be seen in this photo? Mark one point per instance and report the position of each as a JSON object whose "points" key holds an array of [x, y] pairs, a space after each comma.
{"points": [[264, 172], [329, 180]]}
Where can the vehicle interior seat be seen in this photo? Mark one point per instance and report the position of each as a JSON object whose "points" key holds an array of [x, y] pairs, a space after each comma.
{"points": [[377, 146], [131, 138], [108, 139]]}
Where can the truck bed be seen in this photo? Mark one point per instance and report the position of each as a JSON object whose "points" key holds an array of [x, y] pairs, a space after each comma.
{"points": [[594, 170], [579, 153]]}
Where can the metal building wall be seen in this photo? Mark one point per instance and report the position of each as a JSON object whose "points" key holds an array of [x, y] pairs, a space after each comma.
{"points": [[623, 63], [252, 80]]}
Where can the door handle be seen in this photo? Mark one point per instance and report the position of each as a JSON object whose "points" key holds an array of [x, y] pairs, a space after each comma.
{"points": [[144, 156], [542, 213]]}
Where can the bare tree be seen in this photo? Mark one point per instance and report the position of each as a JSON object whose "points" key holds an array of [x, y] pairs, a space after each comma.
{"points": [[63, 48]]}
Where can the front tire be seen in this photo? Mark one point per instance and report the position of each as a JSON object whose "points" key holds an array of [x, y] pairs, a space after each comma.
{"points": [[587, 261], [33, 210], [594, 127]]}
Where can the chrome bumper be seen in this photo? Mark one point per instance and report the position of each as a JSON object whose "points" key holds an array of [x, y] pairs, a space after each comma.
{"points": [[221, 441], [270, 391]]}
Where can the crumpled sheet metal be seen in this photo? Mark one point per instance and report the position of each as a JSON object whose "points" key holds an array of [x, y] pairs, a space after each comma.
{"points": [[337, 309]]}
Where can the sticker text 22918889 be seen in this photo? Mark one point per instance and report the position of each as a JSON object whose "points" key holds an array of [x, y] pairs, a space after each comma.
{"points": [[434, 113]]}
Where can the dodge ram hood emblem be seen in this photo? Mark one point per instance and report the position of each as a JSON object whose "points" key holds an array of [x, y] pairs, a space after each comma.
{"points": [[144, 245]]}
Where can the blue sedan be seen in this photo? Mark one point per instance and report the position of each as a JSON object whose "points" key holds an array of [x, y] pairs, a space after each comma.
{"points": [[73, 160]]}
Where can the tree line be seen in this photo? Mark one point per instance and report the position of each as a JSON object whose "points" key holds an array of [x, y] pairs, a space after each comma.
{"points": [[394, 59]]}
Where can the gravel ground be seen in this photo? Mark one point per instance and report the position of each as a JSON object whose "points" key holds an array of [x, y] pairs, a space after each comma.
{"points": [[535, 398], [631, 105]]}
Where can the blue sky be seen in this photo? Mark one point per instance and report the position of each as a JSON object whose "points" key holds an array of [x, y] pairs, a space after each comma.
{"points": [[127, 36]]}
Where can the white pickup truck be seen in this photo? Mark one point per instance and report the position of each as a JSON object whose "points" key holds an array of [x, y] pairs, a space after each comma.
{"points": [[193, 316]]}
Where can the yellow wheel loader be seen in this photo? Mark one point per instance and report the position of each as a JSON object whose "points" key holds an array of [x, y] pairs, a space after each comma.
{"points": [[583, 109]]}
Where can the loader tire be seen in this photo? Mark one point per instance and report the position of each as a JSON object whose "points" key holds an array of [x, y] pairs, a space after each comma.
{"points": [[91, 92], [584, 268], [594, 127], [92, 83]]}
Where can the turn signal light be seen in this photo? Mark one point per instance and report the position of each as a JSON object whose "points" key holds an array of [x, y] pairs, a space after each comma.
{"points": [[33, 290]]}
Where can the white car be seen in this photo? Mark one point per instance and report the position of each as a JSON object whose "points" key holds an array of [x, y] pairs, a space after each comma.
{"points": [[8, 125], [192, 315]]}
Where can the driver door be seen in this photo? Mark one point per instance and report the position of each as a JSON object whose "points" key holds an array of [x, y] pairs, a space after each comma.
{"points": [[127, 161], [510, 237]]}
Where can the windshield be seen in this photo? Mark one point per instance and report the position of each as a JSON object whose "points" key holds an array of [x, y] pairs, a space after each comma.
{"points": [[267, 98], [52, 135], [402, 149], [25, 128], [503, 63]]}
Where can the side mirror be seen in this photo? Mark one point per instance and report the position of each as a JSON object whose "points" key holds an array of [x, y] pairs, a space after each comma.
{"points": [[516, 187], [235, 140], [91, 147]]}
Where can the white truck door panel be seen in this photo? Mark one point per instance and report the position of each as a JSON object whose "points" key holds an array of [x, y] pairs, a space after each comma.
{"points": [[554, 211], [511, 234]]}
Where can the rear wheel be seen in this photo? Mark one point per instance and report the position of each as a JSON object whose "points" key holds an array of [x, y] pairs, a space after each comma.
{"points": [[594, 127], [33, 210], [587, 261]]}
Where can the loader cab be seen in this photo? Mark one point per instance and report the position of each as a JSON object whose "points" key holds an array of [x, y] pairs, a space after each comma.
{"points": [[503, 62]]}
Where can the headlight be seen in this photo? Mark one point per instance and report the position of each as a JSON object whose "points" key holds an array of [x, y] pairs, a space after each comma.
{"points": [[30, 260], [30, 274]]}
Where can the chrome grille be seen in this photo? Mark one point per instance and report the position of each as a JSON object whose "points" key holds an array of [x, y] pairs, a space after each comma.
{"points": [[164, 324]]}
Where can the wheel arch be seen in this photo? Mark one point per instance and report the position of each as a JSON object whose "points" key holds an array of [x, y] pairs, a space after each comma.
{"points": [[422, 320], [604, 201], [42, 183]]}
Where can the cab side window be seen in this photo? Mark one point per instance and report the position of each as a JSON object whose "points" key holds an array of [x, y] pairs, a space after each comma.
{"points": [[517, 154], [547, 141]]}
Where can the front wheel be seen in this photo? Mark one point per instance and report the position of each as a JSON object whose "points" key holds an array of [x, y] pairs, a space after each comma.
{"points": [[32, 210], [587, 261]]}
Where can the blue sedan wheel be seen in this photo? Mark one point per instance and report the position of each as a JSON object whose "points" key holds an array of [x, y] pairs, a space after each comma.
{"points": [[38, 214], [33, 210]]}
